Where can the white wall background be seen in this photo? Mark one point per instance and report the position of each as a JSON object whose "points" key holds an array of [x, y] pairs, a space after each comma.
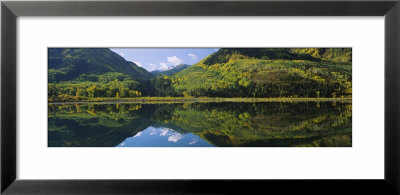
{"points": [[364, 160]]}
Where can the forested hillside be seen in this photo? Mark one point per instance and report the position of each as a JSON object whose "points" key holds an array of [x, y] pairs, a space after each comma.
{"points": [[338, 55], [87, 73], [268, 73], [86, 64]]}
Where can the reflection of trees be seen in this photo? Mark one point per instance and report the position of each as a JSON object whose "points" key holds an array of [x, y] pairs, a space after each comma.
{"points": [[222, 124], [109, 115], [267, 124], [94, 124]]}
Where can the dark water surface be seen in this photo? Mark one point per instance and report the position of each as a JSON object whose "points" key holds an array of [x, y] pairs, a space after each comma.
{"points": [[267, 124]]}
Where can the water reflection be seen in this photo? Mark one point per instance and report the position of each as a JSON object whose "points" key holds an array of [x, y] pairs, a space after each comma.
{"points": [[268, 124], [163, 137]]}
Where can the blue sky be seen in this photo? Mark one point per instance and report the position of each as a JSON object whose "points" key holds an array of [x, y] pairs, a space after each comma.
{"points": [[163, 58]]}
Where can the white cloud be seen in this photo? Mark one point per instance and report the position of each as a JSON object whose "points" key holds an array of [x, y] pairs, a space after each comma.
{"points": [[194, 141], [193, 56], [153, 132], [175, 138], [152, 67], [138, 63], [138, 134], [121, 54], [174, 60], [163, 65], [164, 132]]}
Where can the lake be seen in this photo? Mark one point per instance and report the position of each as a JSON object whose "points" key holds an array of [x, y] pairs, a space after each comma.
{"points": [[225, 124]]}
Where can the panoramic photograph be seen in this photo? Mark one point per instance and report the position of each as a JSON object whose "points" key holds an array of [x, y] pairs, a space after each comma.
{"points": [[199, 97]]}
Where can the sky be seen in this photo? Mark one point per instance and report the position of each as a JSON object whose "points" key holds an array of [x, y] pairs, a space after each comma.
{"points": [[163, 58]]}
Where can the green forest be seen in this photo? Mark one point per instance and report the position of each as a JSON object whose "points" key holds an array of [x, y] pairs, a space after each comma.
{"points": [[83, 74]]}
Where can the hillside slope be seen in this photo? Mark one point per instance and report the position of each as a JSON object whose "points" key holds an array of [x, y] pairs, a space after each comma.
{"points": [[65, 64], [338, 55], [268, 73]]}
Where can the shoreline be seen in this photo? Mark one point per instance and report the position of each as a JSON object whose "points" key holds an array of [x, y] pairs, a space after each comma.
{"points": [[159, 100]]}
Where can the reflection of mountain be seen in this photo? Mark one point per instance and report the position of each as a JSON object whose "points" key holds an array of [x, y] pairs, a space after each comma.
{"points": [[221, 124], [93, 125], [268, 124]]}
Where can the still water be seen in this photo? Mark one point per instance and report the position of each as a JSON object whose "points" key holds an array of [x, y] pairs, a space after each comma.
{"points": [[267, 124]]}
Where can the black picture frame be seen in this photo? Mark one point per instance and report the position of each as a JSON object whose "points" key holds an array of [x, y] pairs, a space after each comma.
{"points": [[10, 10]]}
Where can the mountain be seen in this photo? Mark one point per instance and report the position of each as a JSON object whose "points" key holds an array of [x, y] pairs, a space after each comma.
{"points": [[65, 64], [282, 72], [171, 71], [338, 55]]}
